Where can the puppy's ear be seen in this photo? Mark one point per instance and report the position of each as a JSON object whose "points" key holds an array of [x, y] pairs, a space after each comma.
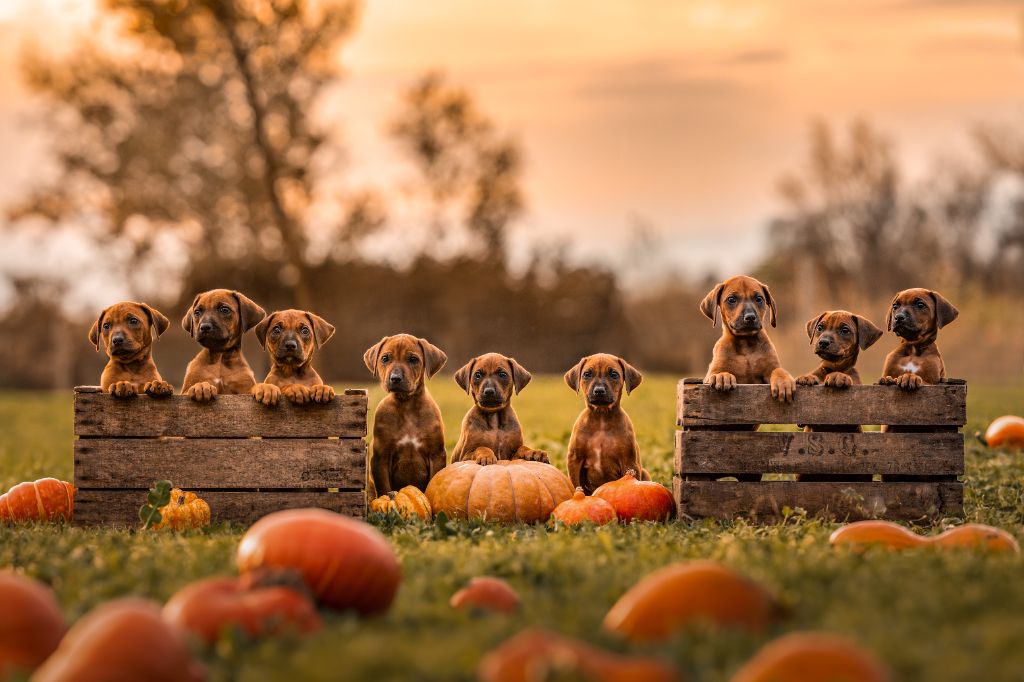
{"points": [[711, 305], [249, 313], [186, 322], [572, 377], [520, 377], [888, 317], [631, 376], [867, 332], [157, 320], [812, 325], [94, 332], [322, 329], [773, 313], [463, 374], [371, 356], [945, 312], [433, 357], [261, 329]]}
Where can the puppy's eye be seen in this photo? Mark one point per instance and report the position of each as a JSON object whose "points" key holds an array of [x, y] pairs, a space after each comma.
{"points": [[385, 359], [276, 330], [503, 374], [920, 305], [106, 326], [895, 306], [821, 327], [478, 375], [613, 374], [731, 300], [844, 329], [196, 313], [133, 321], [413, 359], [304, 331], [588, 374], [224, 310], [758, 298]]}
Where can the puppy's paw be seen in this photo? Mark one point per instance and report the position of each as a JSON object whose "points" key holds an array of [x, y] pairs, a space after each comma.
{"points": [[534, 455], [203, 392], [122, 389], [887, 381], [158, 389], [782, 386], [484, 456], [839, 380], [321, 393], [266, 394], [808, 380], [722, 381], [297, 394], [910, 382]]}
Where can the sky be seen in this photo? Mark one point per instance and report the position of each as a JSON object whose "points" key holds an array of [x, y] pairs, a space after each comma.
{"points": [[679, 114]]}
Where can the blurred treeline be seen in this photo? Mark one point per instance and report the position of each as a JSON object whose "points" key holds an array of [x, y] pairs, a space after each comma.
{"points": [[195, 155]]}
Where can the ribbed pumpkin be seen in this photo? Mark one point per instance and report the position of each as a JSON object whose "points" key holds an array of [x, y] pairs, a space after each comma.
{"points": [[185, 510], [508, 491], [407, 502], [635, 500], [44, 500], [582, 509]]}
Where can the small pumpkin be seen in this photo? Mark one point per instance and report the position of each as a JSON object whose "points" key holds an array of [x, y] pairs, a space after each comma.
{"points": [[682, 594], [508, 491], [407, 502], [47, 499], [1005, 432], [185, 510], [31, 624], [812, 657], [486, 594], [580, 509], [863, 534], [635, 500]]}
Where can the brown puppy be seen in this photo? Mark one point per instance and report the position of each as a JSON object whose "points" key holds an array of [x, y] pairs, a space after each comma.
{"points": [[916, 315], [217, 319], [127, 331], [291, 337], [744, 354], [490, 430], [603, 445], [838, 337], [408, 434]]}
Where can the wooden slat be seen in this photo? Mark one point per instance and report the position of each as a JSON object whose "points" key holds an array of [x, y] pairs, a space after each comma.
{"points": [[121, 507], [227, 416], [733, 452], [765, 501], [938, 405], [200, 463]]}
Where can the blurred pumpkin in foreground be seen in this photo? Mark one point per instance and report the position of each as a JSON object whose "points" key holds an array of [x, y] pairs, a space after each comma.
{"points": [[812, 657], [863, 534], [31, 624], [485, 593], [1005, 432]]}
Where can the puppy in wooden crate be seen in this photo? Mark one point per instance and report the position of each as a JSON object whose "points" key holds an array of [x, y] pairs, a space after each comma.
{"points": [[291, 338], [126, 331]]}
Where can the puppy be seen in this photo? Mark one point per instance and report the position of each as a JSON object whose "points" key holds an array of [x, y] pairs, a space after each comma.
{"points": [[127, 331], [408, 434], [916, 315], [291, 337], [744, 354], [603, 444], [490, 430], [217, 319], [838, 337]]}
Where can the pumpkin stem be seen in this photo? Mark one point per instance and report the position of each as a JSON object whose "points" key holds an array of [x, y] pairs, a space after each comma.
{"points": [[580, 493], [981, 438], [631, 473]]}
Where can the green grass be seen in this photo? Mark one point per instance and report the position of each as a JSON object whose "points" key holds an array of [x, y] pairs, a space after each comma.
{"points": [[929, 615]]}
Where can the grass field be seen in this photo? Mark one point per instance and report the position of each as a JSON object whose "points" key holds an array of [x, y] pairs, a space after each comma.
{"points": [[929, 615]]}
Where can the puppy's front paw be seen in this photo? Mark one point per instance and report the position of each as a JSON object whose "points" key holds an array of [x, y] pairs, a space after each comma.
{"points": [[267, 394], [839, 380], [722, 381], [158, 389], [808, 380], [297, 394], [910, 382], [782, 386], [887, 381], [203, 392], [484, 456], [122, 389], [534, 455], [322, 394]]}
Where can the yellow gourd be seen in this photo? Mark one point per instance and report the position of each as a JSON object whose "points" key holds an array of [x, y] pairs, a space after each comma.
{"points": [[406, 502], [185, 510]]}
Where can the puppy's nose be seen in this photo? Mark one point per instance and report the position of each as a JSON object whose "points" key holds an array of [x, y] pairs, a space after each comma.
{"points": [[823, 343], [489, 392], [205, 327], [900, 317], [749, 317], [291, 344], [117, 339], [395, 378], [600, 390]]}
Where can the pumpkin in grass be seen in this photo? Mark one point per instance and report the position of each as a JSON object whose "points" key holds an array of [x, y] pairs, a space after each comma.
{"points": [[863, 534], [47, 499], [812, 657], [407, 502], [31, 624], [1005, 432], [485, 593], [581, 508], [635, 500], [348, 564], [508, 491], [185, 510]]}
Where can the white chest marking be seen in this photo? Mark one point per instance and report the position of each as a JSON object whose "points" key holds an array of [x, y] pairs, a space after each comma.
{"points": [[911, 367], [410, 440]]}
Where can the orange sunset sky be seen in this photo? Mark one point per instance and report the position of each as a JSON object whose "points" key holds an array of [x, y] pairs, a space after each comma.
{"points": [[682, 113]]}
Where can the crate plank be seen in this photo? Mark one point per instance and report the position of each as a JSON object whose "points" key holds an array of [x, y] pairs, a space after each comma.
{"points": [[798, 452], [938, 405], [121, 507], [765, 501], [199, 463], [228, 416]]}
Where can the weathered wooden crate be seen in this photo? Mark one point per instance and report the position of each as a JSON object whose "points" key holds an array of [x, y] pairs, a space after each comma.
{"points": [[246, 460], [915, 466]]}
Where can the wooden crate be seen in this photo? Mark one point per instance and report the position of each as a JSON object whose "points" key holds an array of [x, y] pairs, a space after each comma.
{"points": [[246, 460], [924, 450]]}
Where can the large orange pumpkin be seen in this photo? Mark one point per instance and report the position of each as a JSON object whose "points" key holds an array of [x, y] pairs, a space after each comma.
{"points": [[407, 502], [812, 657], [635, 500], [1005, 432], [509, 491], [348, 564], [125, 639], [583, 509], [44, 500], [31, 624]]}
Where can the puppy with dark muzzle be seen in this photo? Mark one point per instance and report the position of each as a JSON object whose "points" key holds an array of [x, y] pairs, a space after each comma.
{"points": [[408, 434], [291, 337], [603, 445], [491, 430], [838, 337], [217, 319], [126, 331], [916, 315]]}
